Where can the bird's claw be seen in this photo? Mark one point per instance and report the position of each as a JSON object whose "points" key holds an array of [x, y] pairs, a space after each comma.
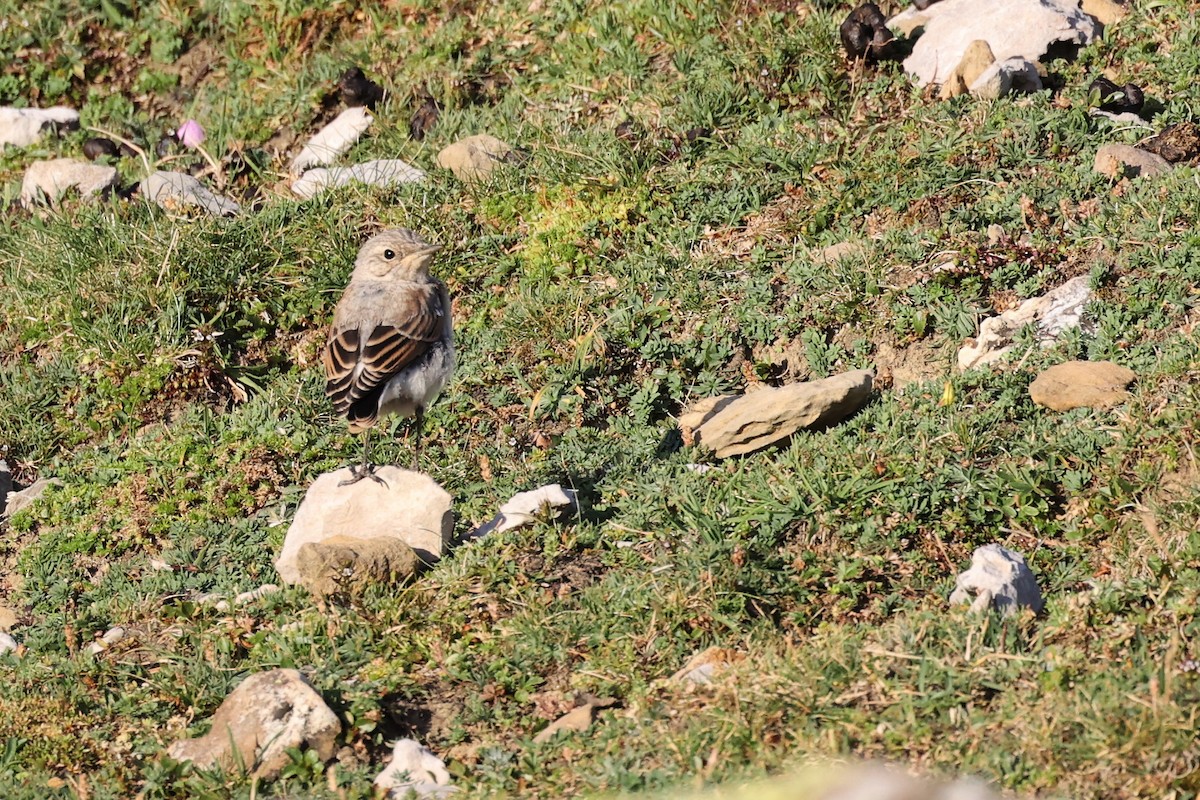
{"points": [[360, 471]]}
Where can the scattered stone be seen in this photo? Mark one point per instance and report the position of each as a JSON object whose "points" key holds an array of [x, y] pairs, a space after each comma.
{"points": [[977, 58], [19, 501], [333, 140], [1028, 29], [999, 578], [175, 192], [50, 179], [267, 714], [414, 769], [99, 147], [1124, 161], [1082, 384], [1178, 143], [8, 618], [703, 666], [527, 507], [384, 172], [22, 127], [1107, 96], [842, 251], [732, 425], [110, 637], [1054, 312], [7, 644], [1011, 75], [255, 594], [6, 485], [1106, 12], [865, 34], [475, 157], [578, 719], [359, 90], [409, 506], [347, 565]]}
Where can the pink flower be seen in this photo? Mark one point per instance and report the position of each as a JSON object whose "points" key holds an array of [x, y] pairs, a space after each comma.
{"points": [[190, 133]]}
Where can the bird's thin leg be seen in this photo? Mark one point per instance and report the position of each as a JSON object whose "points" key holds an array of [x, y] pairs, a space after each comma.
{"points": [[418, 421], [366, 469]]}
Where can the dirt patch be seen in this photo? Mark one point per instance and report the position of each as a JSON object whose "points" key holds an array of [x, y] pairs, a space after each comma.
{"points": [[897, 367]]}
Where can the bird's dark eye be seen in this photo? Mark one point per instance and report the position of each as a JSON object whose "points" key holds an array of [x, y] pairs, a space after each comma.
{"points": [[389, 254]]}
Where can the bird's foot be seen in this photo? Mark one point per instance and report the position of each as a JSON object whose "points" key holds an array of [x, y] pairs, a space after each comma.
{"points": [[360, 471]]}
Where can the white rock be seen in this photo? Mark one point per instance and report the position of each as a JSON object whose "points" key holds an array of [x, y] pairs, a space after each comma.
{"points": [[110, 637], [411, 507], [998, 577], [414, 768], [1127, 118], [525, 507], [1054, 312], [1011, 75], [254, 594], [7, 643], [266, 715], [1024, 28], [49, 179], [22, 127], [334, 139], [173, 191], [384, 172]]}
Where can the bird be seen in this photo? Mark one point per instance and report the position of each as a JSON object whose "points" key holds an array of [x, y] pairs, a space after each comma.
{"points": [[391, 343]]}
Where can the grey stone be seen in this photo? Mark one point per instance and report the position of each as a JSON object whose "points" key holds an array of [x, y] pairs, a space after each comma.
{"points": [[50, 179], [474, 157], [333, 140], [736, 424], [385, 172], [1057, 311], [409, 506], [175, 192], [19, 501], [1079, 384], [262, 718], [22, 127], [1011, 75], [999, 578], [343, 564], [1024, 28], [1124, 161], [7, 644]]}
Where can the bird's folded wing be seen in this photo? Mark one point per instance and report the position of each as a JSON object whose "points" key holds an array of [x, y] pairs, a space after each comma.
{"points": [[358, 361]]}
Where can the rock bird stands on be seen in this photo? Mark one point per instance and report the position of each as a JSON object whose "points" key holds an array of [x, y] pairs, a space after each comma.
{"points": [[391, 348]]}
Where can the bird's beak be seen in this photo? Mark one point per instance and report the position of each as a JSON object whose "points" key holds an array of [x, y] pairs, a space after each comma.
{"points": [[429, 249]]}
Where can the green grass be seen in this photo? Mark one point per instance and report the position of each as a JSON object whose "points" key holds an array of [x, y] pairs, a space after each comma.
{"points": [[165, 369]]}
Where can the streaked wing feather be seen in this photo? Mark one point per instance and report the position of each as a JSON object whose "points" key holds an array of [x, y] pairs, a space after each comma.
{"points": [[355, 369]]}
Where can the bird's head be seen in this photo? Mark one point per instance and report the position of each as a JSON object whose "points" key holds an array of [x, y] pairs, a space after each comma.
{"points": [[395, 254]]}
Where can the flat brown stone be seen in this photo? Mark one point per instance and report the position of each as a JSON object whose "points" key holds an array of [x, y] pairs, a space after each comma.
{"points": [[1082, 384]]}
